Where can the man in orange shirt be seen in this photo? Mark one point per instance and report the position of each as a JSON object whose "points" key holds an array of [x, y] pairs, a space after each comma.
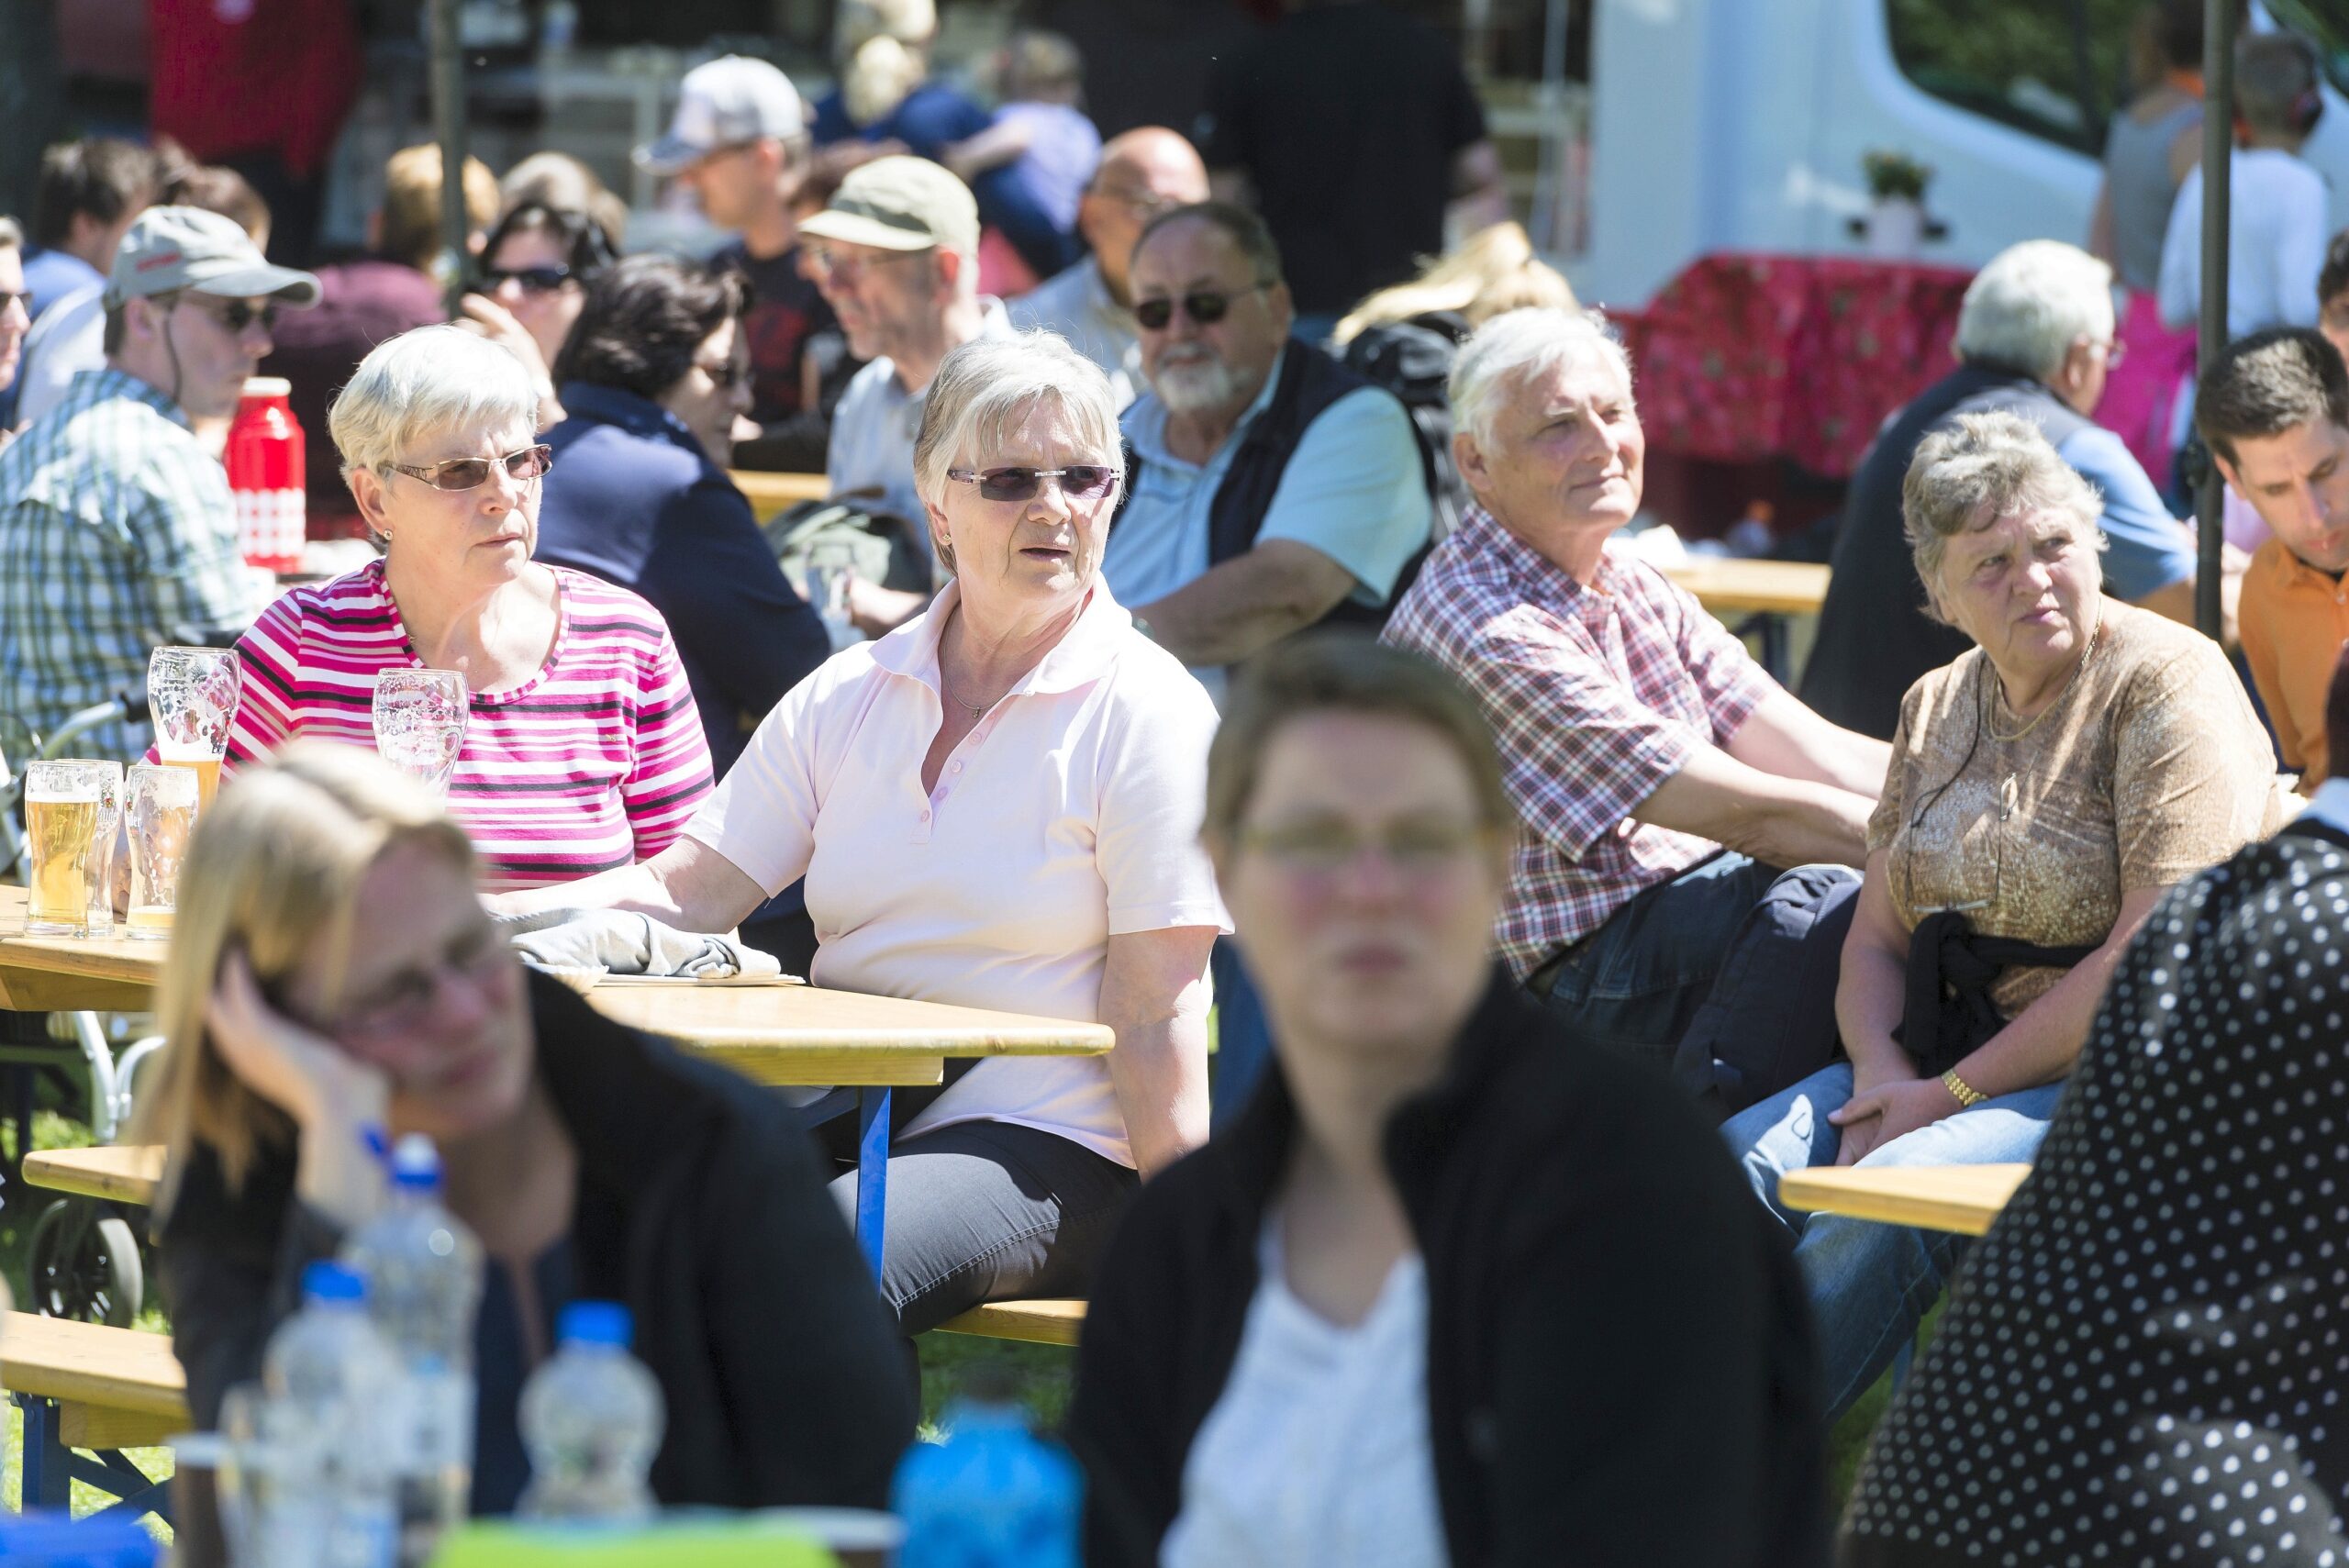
{"points": [[2274, 412]]}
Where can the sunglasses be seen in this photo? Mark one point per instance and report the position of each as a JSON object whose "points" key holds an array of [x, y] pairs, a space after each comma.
{"points": [[1204, 307], [7, 299], [533, 280], [729, 375], [1083, 482], [473, 473], [236, 315]]}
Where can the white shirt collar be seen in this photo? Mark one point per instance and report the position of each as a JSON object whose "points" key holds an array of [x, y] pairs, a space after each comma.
{"points": [[2330, 804]]}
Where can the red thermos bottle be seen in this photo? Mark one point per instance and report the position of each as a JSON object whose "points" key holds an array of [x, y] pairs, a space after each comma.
{"points": [[264, 460]]}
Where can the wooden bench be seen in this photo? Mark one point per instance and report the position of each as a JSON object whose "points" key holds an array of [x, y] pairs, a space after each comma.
{"points": [[84, 1386], [1037, 1322]]}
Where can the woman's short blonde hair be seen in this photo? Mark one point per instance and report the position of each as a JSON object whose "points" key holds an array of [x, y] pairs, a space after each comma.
{"points": [[1984, 467], [273, 872], [422, 382], [989, 386], [1494, 271]]}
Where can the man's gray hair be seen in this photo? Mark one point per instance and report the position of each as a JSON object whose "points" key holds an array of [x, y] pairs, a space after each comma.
{"points": [[1518, 344], [1982, 468], [423, 382], [2031, 302], [989, 386]]}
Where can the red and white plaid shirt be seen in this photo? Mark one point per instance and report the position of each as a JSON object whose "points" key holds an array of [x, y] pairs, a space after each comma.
{"points": [[1595, 696]]}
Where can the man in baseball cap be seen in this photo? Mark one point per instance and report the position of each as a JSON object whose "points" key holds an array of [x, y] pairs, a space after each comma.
{"points": [[117, 531], [895, 252], [740, 143]]}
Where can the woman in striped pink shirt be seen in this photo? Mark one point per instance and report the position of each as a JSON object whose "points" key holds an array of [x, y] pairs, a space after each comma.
{"points": [[582, 752]]}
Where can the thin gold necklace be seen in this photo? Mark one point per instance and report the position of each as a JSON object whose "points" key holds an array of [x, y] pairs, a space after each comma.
{"points": [[1998, 690], [975, 710]]}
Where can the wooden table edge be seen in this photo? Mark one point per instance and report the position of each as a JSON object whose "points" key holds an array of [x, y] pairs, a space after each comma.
{"points": [[1829, 1189]]}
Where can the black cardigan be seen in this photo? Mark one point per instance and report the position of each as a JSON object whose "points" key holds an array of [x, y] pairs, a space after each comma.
{"points": [[1620, 1362], [700, 1206]]}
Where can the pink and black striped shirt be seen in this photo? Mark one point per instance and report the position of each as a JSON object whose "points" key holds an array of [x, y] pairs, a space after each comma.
{"points": [[595, 762]]}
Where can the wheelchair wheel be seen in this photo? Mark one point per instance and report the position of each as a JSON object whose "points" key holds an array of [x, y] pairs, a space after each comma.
{"points": [[85, 1267]]}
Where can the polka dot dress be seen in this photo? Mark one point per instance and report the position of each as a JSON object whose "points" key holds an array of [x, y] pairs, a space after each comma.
{"points": [[2147, 1361]]}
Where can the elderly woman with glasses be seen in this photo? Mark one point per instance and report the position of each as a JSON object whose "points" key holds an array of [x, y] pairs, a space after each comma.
{"points": [[997, 805], [654, 375], [2046, 790], [582, 751], [332, 976]]}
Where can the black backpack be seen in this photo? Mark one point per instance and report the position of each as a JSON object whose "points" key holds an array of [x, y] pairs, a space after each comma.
{"points": [[1413, 360]]}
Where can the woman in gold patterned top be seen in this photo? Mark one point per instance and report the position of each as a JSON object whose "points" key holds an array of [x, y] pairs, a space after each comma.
{"points": [[2046, 789]]}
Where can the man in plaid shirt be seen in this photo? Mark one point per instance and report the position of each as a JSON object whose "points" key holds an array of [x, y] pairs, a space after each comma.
{"points": [[116, 529], [1660, 775]]}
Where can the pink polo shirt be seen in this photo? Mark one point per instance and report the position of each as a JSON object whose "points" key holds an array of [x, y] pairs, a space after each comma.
{"points": [[1070, 814]]}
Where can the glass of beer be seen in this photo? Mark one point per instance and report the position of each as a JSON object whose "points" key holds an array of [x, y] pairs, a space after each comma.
{"points": [[420, 723], [160, 799], [192, 692], [62, 807], [102, 846]]}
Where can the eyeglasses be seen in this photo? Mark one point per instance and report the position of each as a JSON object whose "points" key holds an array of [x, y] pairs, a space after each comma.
{"points": [[1082, 482], [733, 374], [236, 315], [1144, 204], [404, 1003], [830, 266], [2115, 353], [1325, 849], [473, 473], [7, 299], [1207, 306], [533, 280]]}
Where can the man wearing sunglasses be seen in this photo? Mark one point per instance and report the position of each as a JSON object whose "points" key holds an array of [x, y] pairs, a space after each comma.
{"points": [[1147, 171], [116, 529], [1268, 487]]}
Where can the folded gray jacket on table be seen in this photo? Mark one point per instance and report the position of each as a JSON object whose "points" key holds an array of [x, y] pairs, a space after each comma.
{"points": [[622, 943]]}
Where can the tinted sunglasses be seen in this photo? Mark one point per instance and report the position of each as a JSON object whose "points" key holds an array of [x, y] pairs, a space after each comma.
{"points": [[1206, 308], [1083, 482], [472, 472], [534, 280], [7, 299], [236, 315]]}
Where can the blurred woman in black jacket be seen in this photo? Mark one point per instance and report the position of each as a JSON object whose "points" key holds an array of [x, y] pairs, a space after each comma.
{"points": [[1457, 1288], [332, 972]]}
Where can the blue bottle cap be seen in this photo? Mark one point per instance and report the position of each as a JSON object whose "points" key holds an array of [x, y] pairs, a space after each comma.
{"points": [[596, 1323], [416, 1164], [334, 1283]]}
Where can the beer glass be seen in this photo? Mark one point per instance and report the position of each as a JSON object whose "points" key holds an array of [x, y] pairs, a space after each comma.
{"points": [[102, 846], [192, 692], [420, 723], [62, 806], [160, 801]]}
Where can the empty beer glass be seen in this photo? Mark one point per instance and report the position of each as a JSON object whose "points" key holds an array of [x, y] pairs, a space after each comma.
{"points": [[420, 723], [192, 692], [105, 835], [62, 802], [161, 802]]}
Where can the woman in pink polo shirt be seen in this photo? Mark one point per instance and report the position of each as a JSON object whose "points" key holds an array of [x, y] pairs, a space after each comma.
{"points": [[996, 805]]}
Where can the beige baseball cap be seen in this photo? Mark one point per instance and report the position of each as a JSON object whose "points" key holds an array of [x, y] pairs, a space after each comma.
{"points": [[899, 204], [723, 103], [188, 247]]}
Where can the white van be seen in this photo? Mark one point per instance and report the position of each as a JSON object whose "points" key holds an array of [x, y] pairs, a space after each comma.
{"points": [[1739, 125]]}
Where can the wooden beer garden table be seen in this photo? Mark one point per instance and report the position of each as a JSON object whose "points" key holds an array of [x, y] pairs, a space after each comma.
{"points": [[772, 494], [1964, 1198], [780, 1034], [1766, 591]]}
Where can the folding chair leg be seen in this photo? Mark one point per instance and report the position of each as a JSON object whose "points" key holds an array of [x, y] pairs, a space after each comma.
{"points": [[48, 1480]]}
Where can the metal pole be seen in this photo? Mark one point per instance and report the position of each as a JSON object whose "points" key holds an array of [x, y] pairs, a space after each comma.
{"points": [[448, 78], [2218, 147]]}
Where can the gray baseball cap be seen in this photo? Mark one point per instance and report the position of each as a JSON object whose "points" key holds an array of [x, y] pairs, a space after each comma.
{"points": [[725, 103], [188, 247], [900, 204]]}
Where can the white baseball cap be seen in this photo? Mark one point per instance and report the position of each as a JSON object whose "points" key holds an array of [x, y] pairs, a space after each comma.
{"points": [[725, 103]]}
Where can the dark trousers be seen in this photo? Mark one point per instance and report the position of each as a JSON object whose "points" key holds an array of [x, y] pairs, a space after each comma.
{"points": [[1635, 984], [989, 1211]]}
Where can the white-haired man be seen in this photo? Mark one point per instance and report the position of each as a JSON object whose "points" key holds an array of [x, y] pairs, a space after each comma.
{"points": [[2035, 337], [1659, 775]]}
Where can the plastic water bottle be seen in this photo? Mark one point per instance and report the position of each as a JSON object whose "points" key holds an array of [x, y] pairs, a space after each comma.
{"points": [[423, 1271], [591, 1418], [326, 1375], [992, 1496]]}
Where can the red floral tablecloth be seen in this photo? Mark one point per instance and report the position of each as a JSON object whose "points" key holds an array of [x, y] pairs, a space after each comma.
{"points": [[1743, 358]]}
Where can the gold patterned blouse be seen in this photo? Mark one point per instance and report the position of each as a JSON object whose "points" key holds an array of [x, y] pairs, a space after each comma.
{"points": [[2147, 768]]}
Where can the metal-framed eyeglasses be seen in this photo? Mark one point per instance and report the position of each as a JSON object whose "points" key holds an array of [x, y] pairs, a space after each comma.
{"points": [[473, 473]]}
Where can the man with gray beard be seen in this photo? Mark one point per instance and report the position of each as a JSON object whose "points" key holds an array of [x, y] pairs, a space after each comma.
{"points": [[1268, 487]]}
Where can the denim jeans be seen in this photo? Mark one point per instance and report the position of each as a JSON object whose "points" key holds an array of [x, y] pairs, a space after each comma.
{"points": [[1870, 1283], [1633, 984]]}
